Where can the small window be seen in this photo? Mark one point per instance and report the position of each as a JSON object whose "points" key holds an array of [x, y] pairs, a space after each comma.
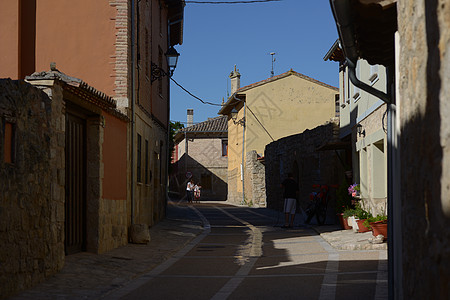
{"points": [[224, 147], [146, 163], [147, 56], [160, 64], [356, 90], [373, 74], [9, 130], [138, 158]]}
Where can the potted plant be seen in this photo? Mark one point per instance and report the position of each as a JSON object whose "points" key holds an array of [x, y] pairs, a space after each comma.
{"points": [[378, 225], [343, 203], [349, 216], [362, 215]]}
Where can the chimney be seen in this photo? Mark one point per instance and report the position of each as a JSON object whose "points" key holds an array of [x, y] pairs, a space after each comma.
{"points": [[235, 80], [190, 117]]}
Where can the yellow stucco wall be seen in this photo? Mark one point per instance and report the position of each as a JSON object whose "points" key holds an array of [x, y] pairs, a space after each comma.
{"points": [[284, 107]]}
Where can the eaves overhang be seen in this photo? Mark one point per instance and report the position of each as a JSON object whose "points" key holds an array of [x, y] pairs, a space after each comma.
{"points": [[366, 29], [231, 103], [175, 21]]}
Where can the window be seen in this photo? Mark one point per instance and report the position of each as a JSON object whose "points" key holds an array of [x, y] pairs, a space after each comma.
{"points": [[146, 163], [356, 91], [363, 178], [147, 56], [9, 141], [224, 147], [138, 159], [160, 64], [373, 74], [378, 170]]}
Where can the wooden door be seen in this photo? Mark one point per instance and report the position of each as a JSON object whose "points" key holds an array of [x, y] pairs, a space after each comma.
{"points": [[75, 205]]}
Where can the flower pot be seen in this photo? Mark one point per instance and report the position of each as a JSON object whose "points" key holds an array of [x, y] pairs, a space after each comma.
{"points": [[361, 227], [379, 227], [352, 223], [343, 221]]}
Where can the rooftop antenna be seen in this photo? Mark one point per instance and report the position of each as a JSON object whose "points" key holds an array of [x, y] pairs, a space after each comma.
{"points": [[273, 60]]}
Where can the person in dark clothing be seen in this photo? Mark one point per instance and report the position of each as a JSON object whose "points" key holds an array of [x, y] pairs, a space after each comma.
{"points": [[290, 200]]}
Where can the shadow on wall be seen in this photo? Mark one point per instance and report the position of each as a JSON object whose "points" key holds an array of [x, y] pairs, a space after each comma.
{"points": [[298, 154], [425, 202], [213, 187]]}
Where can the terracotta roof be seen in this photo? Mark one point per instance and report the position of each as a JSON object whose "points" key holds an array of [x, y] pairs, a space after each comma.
{"points": [[335, 53], [286, 74], [211, 127], [81, 89], [231, 101]]}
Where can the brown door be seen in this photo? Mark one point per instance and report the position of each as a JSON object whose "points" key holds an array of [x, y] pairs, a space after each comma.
{"points": [[75, 205]]}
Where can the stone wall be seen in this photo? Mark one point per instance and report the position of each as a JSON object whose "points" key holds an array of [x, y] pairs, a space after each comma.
{"points": [[31, 188], [424, 89], [298, 154], [207, 165], [255, 181]]}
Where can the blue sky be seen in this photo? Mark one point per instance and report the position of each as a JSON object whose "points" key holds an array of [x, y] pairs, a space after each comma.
{"points": [[217, 37]]}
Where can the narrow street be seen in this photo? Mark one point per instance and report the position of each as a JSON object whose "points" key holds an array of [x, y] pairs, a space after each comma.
{"points": [[242, 254]]}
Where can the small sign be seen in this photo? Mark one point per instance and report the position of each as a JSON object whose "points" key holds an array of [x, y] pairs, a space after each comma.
{"points": [[188, 174]]}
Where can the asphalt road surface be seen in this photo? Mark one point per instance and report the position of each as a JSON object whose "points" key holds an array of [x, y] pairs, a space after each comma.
{"points": [[242, 255]]}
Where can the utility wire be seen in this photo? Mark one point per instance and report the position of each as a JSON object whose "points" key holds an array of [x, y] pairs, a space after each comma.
{"points": [[204, 102], [215, 104], [231, 2]]}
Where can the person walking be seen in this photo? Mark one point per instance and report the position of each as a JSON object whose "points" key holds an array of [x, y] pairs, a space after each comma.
{"points": [[290, 187], [190, 190]]}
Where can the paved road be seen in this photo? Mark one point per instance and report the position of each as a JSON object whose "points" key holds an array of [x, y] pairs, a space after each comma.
{"points": [[242, 255]]}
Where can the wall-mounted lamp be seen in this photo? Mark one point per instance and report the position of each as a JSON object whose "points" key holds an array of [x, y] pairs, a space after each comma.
{"points": [[172, 60], [234, 114], [360, 130]]}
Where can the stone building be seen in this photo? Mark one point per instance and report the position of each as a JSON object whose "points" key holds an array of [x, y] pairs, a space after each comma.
{"points": [[117, 46], [410, 38], [201, 151], [64, 182], [266, 111], [310, 156]]}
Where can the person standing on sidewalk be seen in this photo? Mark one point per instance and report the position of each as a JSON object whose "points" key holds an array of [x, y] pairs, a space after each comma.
{"points": [[190, 190], [290, 187]]}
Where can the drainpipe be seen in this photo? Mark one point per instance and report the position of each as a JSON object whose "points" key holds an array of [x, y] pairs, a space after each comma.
{"points": [[133, 99]]}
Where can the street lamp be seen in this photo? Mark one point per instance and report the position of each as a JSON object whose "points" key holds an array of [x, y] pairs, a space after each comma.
{"points": [[360, 130], [172, 59], [234, 114]]}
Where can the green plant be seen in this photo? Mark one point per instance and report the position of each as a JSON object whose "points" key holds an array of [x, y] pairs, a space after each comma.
{"points": [[349, 212], [361, 214], [343, 199], [372, 219]]}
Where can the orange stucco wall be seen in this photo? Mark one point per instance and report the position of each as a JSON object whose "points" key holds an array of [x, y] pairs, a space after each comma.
{"points": [[9, 39], [80, 37], [115, 159]]}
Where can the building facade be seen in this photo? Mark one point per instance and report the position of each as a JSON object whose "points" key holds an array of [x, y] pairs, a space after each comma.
{"points": [[363, 125], [201, 154], [266, 111], [410, 38], [115, 46], [65, 138]]}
